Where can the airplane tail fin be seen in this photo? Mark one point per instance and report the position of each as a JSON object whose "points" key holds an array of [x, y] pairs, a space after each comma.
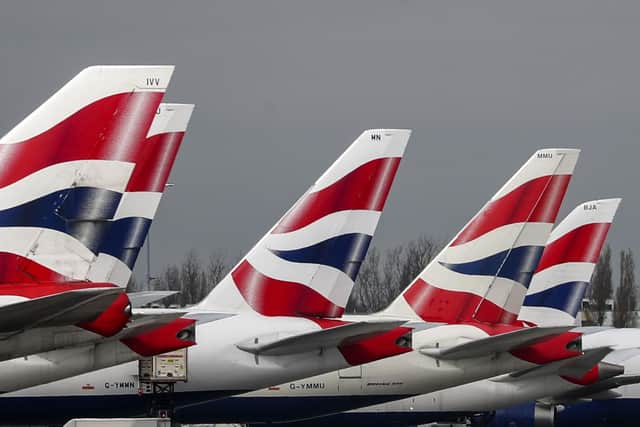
{"points": [[66, 166], [567, 264], [128, 231], [307, 263], [486, 268]]}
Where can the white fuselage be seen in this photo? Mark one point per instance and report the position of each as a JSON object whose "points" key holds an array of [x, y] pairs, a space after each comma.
{"points": [[488, 395], [215, 364], [217, 368]]}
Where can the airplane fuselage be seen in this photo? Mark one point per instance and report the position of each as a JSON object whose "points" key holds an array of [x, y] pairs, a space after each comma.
{"points": [[217, 368]]}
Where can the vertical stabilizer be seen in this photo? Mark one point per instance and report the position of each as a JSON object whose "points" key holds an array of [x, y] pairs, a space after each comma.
{"points": [[307, 263], [483, 272], [127, 232], [567, 264], [66, 166]]}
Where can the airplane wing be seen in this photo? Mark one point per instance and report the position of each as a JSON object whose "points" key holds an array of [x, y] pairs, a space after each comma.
{"points": [[574, 367], [65, 308], [323, 338], [199, 315], [600, 390], [496, 343], [141, 323], [139, 299]]}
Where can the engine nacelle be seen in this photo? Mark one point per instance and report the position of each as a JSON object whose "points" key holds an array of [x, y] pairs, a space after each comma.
{"points": [[528, 414]]}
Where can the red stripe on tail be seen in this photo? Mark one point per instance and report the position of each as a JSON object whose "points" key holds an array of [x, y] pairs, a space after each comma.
{"points": [[37, 290], [365, 188], [537, 200], [273, 297], [18, 269], [434, 304], [111, 128], [582, 244], [156, 160]]}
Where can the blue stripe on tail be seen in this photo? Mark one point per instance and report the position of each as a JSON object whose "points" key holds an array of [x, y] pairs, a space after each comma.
{"points": [[566, 297], [81, 212], [345, 253], [519, 265], [125, 239]]}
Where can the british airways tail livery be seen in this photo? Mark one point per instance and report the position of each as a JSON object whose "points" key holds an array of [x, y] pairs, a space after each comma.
{"points": [[463, 350], [307, 263], [484, 272], [66, 166], [254, 343], [568, 261], [118, 250], [70, 161], [97, 158], [556, 290], [145, 335], [570, 253], [120, 246]]}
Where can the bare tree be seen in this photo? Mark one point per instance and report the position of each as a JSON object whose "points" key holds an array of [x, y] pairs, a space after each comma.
{"points": [[601, 286], [379, 281], [191, 278], [417, 255], [624, 308], [367, 284], [216, 269], [382, 280], [390, 285], [169, 280]]}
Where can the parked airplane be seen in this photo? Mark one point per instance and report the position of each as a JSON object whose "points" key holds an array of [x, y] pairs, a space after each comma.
{"points": [[81, 351], [87, 139], [44, 304], [470, 294], [553, 298], [609, 401], [86, 134], [280, 298], [613, 404], [522, 214]]}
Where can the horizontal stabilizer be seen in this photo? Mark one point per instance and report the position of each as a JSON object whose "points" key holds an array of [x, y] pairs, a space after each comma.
{"points": [[139, 299], [496, 343], [598, 390], [65, 308], [603, 395], [207, 316], [200, 316], [574, 367], [579, 366], [323, 338], [142, 323]]}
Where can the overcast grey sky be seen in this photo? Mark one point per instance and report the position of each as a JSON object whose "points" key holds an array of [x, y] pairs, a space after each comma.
{"points": [[282, 88]]}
